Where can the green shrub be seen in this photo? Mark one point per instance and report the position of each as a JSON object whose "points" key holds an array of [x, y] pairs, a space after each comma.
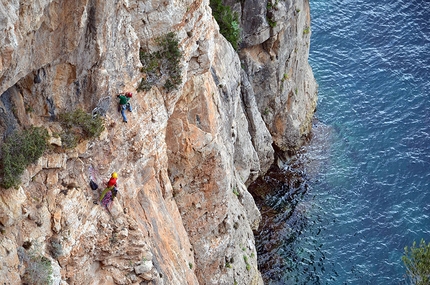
{"points": [[248, 266], [69, 140], [417, 262], [79, 126], [235, 192], [272, 23], [38, 271], [228, 22], [307, 30], [269, 15], [19, 150], [38, 268], [164, 61]]}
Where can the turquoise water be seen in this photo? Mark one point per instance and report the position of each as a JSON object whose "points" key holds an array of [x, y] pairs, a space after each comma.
{"points": [[360, 192]]}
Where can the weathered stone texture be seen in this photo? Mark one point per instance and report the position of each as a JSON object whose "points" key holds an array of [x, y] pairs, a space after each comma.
{"points": [[278, 70], [183, 214]]}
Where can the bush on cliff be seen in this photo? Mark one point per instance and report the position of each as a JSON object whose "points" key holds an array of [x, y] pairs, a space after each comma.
{"points": [[165, 61], [20, 150], [228, 22], [79, 126], [38, 268], [417, 262]]}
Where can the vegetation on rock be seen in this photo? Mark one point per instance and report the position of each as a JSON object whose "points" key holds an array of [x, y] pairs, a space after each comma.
{"points": [[165, 61], [39, 271], [307, 30], [79, 126], [417, 262], [228, 22], [270, 15], [38, 268], [19, 150]]}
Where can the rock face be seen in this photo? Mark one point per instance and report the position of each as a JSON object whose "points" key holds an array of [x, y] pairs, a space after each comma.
{"points": [[183, 214], [275, 56]]}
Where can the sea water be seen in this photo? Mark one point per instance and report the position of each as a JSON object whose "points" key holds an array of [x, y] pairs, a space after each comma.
{"points": [[352, 199]]}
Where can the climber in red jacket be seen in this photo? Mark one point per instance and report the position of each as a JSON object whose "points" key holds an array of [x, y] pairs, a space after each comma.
{"points": [[112, 180], [110, 192]]}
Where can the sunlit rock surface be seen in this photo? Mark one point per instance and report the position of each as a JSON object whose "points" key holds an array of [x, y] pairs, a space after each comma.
{"points": [[183, 214]]}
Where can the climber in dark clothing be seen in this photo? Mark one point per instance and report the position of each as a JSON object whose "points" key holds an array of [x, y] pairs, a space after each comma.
{"points": [[124, 104]]}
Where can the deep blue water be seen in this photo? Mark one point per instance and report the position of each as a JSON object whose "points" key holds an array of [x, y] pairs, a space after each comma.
{"points": [[360, 192]]}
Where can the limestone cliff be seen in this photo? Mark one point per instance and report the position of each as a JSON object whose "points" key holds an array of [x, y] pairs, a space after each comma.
{"points": [[183, 214]]}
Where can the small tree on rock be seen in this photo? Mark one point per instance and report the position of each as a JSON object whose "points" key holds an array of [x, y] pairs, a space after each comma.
{"points": [[417, 262]]}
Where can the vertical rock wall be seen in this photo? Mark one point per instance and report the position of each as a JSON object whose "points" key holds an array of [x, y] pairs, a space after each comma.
{"points": [[183, 214], [275, 54], [203, 133]]}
